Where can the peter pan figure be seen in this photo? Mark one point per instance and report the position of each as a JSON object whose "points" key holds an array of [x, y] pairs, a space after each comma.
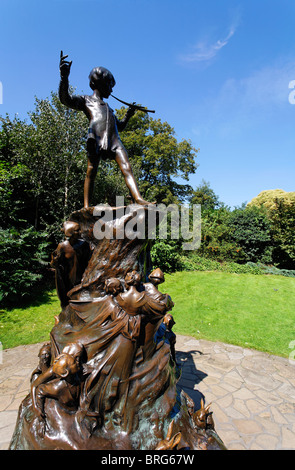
{"points": [[103, 141]]}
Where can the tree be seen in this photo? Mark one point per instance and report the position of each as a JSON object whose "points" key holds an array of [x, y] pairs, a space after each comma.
{"points": [[42, 170], [206, 197], [23, 262], [42, 165], [216, 242], [282, 218], [280, 208], [250, 229], [158, 159]]}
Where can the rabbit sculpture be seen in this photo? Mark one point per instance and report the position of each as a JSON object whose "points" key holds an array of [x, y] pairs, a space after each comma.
{"points": [[169, 442]]}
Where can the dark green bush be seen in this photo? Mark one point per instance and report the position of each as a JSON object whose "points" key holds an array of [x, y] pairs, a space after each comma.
{"points": [[251, 230], [165, 255], [23, 260]]}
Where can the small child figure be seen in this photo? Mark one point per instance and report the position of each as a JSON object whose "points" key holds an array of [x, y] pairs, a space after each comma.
{"points": [[60, 382], [103, 141], [156, 277], [164, 332], [44, 361], [69, 261]]}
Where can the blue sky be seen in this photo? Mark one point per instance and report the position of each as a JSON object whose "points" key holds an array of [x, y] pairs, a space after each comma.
{"points": [[218, 71]]}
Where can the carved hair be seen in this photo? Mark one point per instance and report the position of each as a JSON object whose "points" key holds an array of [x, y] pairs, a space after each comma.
{"points": [[113, 285], [132, 278], [99, 74], [62, 364]]}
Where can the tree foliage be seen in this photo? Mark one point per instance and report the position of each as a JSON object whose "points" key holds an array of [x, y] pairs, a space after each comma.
{"points": [[43, 164], [250, 229], [206, 197], [280, 208], [23, 258], [158, 158]]}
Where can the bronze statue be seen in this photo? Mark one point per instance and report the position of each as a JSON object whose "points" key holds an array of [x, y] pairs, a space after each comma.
{"points": [[203, 417], [44, 361], [108, 378], [61, 383], [69, 261], [122, 312], [171, 441], [103, 141], [157, 277]]}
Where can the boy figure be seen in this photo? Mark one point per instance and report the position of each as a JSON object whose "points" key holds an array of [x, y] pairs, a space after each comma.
{"points": [[103, 140]]}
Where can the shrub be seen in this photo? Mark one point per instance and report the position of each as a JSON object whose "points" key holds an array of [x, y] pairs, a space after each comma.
{"points": [[251, 230], [165, 255], [23, 257]]}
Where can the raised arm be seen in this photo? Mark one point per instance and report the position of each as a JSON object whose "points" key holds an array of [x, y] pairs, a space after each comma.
{"points": [[123, 122], [71, 101]]}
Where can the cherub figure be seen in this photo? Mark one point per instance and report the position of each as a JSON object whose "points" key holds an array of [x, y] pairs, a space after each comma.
{"points": [[164, 332], [61, 382], [44, 361], [103, 141], [156, 277], [48, 383], [69, 260]]}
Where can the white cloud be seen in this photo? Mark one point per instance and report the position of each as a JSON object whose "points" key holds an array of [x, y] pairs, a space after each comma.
{"points": [[204, 51], [264, 89], [249, 102]]}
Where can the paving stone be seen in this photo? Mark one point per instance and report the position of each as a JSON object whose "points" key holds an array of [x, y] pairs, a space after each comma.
{"points": [[233, 377], [252, 393], [267, 441], [270, 398], [225, 401], [218, 390], [241, 407], [5, 401], [255, 406], [7, 418], [219, 414], [267, 382], [236, 446], [247, 426], [243, 394], [233, 413], [277, 416], [269, 426], [287, 407], [287, 391], [288, 439]]}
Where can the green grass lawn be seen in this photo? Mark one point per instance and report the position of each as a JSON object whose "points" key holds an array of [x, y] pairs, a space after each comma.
{"points": [[29, 324], [254, 311]]}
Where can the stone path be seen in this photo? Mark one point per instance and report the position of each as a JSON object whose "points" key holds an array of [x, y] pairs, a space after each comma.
{"points": [[252, 393]]}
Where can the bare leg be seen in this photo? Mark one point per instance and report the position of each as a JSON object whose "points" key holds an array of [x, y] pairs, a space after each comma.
{"points": [[89, 180], [124, 164]]}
